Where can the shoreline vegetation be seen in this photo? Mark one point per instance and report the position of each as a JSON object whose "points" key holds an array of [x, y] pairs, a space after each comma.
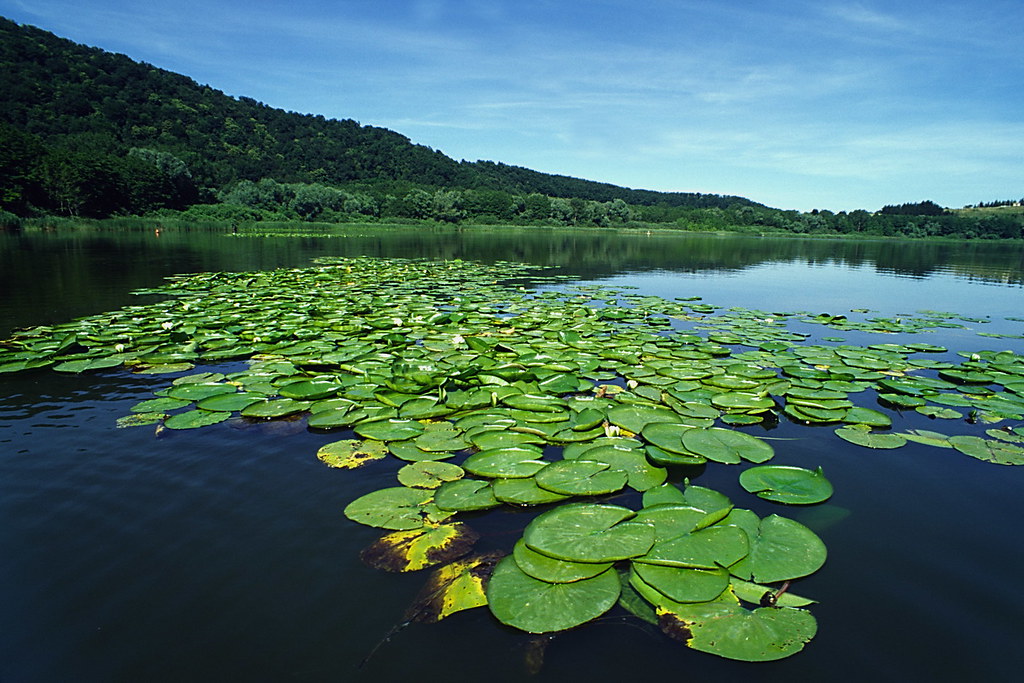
{"points": [[297, 228]]}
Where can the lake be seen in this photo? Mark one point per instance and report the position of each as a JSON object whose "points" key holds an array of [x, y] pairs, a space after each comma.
{"points": [[222, 553]]}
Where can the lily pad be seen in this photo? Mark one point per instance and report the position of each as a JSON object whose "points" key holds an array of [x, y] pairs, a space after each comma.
{"points": [[726, 445], [584, 532], [465, 494], [429, 474], [581, 478], [519, 600], [865, 437], [397, 507], [782, 549], [553, 570], [414, 549], [351, 453], [784, 484]]}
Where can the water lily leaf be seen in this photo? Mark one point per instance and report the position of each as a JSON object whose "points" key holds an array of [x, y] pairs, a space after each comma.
{"points": [[282, 407], [330, 418], [867, 416], [465, 494], [309, 390], [641, 474], [519, 600], [731, 631], [408, 450], [511, 462], [194, 419], [662, 495], [437, 440], [737, 401], [391, 429], [757, 594], [928, 438], [86, 364], [784, 484], [455, 587], [349, 454], [701, 548], [584, 532], [524, 492], [581, 478], [159, 405], [997, 452], [553, 570], [413, 549], [228, 402], [726, 445], [139, 420], [196, 391], [429, 474], [868, 439], [635, 417], [684, 584], [490, 438], [397, 507], [781, 550]]}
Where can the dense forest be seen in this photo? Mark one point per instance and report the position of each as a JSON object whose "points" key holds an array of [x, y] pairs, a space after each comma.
{"points": [[85, 132]]}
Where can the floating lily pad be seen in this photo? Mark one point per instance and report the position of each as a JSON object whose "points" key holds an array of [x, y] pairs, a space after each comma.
{"points": [[392, 429], [455, 587], [524, 492], [413, 549], [784, 484], [581, 478], [465, 494], [553, 570], [684, 584], [582, 532], [782, 549], [865, 437], [997, 452], [506, 463], [726, 446], [397, 507], [519, 600], [194, 419], [351, 453], [429, 474]]}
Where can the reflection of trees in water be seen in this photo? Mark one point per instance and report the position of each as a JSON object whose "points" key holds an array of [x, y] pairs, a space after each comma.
{"points": [[94, 269]]}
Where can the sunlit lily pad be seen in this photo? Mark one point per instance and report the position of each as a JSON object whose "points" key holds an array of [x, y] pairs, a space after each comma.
{"points": [[397, 507], [519, 600], [582, 532], [455, 587], [726, 446], [782, 549], [684, 584], [351, 453], [581, 478], [998, 452], [465, 494], [553, 570], [193, 419], [506, 463], [524, 492], [863, 436], [393, 429], [429, 474], [784, 484], [413, 549]]}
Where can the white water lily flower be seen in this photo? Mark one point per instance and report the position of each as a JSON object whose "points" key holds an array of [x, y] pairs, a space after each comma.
{"points": [[167, 325]]}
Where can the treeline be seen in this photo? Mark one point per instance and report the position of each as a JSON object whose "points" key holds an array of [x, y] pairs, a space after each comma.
{"points": [[84, 132]]}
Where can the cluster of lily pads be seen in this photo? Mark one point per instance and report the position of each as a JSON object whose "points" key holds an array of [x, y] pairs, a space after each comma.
{"points": [[574, 400]]}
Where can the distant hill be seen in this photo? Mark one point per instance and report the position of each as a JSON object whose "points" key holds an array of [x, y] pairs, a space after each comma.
{"points": [[84, 100]]}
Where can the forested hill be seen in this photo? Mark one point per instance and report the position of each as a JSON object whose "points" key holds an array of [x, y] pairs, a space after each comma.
{"points": [[116, 118]]}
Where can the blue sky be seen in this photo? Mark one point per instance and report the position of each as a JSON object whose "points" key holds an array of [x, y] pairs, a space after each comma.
{"points": [[797, 104]]}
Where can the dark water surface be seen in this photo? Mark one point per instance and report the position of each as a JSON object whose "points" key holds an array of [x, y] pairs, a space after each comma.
{"points": [[222, 553]]}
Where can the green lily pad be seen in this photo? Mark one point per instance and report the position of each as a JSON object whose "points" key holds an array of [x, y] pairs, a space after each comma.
{"points": [[781, 550], [784, 484], [683, 584], [429, 474], [726, 446], [865, 437], [998, 452], [581, 478], [228, 402], [282, 407], [193, 419], [524, 492], [519, 600], [583, 532], [506, 463], [552, 570], [392, 429], [397, 507], [465, 494]]}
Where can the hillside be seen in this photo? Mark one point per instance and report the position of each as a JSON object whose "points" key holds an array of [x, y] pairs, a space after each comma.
{"points": [[80, 99]]}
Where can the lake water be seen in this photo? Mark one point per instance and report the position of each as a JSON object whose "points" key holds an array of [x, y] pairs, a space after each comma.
{"points": [[222, 553]]}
